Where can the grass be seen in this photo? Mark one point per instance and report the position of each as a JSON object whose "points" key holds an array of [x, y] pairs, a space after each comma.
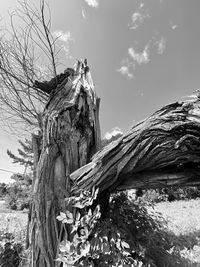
{"points": [[183, 219], [183, 216], [183, 226], [13, 226], [13, 222]]}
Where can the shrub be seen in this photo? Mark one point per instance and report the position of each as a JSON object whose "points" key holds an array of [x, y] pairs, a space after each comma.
{"points": [[18, 197], [11, 201], [127, 235], [170, 194], [3, 190], [10, 251]]}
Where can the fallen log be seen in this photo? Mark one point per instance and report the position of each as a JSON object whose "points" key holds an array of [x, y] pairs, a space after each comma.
{"points": [[160, 151]]}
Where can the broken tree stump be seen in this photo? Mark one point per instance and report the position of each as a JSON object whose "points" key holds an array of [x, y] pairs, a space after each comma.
{"points": [[71, 135]]}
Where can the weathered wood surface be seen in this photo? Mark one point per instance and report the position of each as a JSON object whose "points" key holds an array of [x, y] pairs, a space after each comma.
{"points": [[71, 136], [161, 150]]}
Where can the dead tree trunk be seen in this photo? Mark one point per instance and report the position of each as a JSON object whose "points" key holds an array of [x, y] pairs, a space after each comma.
{"points": [[71, 135], [162, 150]]}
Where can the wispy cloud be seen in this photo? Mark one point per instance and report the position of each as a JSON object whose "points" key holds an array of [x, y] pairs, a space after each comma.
{"points": [[139, 57], [135, 59], [137, 19], [83, 13], [92, 3], [124, 70], [141, 5], [173, 25], [161, 45]]}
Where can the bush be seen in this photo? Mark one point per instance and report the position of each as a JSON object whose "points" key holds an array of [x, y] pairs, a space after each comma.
{"points": [[18, 197], [144, 232], [3, 190], [170, 194], [126, 235], [9, 250], [11, 201]]}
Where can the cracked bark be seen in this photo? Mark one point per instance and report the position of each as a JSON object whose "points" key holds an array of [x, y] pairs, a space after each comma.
{"points": [[162, 150], [71, 135]]}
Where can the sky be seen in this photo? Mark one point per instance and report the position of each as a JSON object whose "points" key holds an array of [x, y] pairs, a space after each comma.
{"points": [[142, 55]]}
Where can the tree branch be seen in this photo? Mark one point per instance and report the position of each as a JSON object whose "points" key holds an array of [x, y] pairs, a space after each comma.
{"points": [[161, 150]]}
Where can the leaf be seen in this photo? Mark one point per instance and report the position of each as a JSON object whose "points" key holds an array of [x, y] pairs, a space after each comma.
{"points": [[125, 245], [85, 249], [78, 216], [96, 193], [79, 205], [69, 214], [61, 217], [68, 221], [90, 212], [63, 214], [106, 248]]}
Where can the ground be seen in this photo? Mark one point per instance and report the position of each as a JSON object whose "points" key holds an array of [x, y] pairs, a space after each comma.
{"points": [[183, 223], [13, 222], [183, 219]]}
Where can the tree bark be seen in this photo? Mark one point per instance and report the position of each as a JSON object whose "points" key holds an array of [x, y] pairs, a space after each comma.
{"points": [[160, 151], [71, 135]]}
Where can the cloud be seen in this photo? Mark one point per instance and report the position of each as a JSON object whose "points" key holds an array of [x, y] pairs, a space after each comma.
{"points": [[135, 58], [137, 18], [139, 57], [83, 13], [161, 45], [116, 131], [124, 70], [92, 3], [174, 27], [141, 5]]}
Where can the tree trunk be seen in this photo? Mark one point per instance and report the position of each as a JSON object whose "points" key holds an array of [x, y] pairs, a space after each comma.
{"points": [[36, 145], [160, 151], [71, 135]]}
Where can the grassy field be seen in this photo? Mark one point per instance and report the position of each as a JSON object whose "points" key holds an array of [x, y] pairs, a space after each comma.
{"points": [[13, 222], [183, 224]]}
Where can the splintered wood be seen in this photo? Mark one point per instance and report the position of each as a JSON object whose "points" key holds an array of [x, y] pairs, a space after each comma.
{"points": [[71, 136], [160, 151]]}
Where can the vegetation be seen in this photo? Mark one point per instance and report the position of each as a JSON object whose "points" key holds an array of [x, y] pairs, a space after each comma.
{"points": [[12, 237], [25, 157], [129, 234], [3, 190], [161, 227], [169, 194], [19, 193]]}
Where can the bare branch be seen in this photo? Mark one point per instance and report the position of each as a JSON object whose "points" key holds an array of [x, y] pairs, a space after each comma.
{"points": [[21, 50]]}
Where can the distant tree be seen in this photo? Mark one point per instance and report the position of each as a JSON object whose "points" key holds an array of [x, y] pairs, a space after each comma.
{"points": [[25, 157], [3, 189], [22, 180]]}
